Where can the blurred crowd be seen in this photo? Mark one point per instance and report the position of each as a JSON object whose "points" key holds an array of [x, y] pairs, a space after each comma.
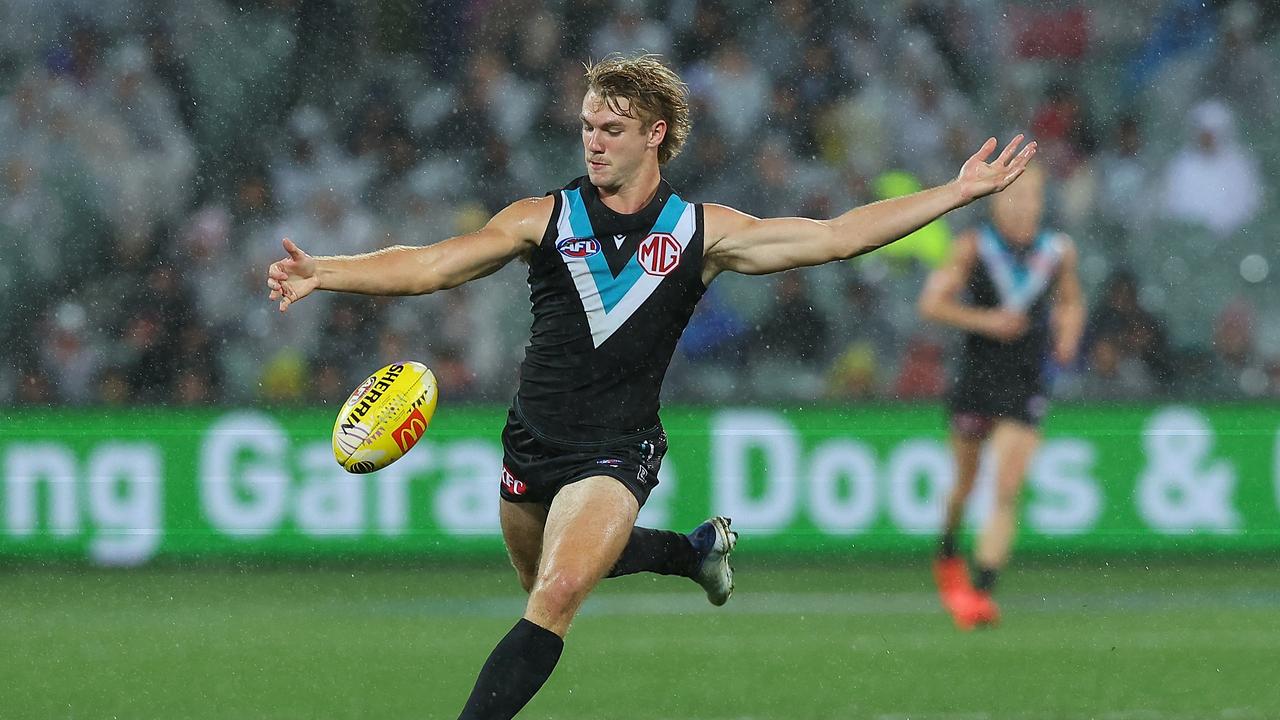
{"points": [[154, 152]]}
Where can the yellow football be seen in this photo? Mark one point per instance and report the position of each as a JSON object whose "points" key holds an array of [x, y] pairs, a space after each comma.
{"points": [[384, 417]]}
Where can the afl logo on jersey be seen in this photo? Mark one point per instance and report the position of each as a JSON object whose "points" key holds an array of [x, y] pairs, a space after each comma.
{"points": [[576, 247], [659, 254]]}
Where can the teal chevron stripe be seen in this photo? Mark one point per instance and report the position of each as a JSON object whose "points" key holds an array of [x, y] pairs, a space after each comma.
{"points": [[612, 289]]}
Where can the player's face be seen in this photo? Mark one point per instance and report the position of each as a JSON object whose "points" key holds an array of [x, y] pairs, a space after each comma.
{"points": [[615, 146], [1017, 210]]}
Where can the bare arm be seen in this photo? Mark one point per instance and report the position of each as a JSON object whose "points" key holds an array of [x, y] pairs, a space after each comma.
{"points": [[940, 303], [1068, 309], [403, 270], [754, 246]]}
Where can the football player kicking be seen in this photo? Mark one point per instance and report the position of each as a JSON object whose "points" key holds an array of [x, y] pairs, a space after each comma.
{"points": [[617, 260]]}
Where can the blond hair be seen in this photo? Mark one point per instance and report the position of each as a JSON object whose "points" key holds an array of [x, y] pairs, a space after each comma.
{"points": [[655, 93]]}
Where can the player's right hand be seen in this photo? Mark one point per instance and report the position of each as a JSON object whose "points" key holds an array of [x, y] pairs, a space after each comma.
{"points": [[292, 278], [1006, 325]]}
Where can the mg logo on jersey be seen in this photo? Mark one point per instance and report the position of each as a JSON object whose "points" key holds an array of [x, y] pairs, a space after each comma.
{"points": [[509, 481], [410, 430], [577, 247], [659, 254]]}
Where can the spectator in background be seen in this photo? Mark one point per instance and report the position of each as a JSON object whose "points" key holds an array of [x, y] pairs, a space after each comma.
{"points": [[1123, 179], [854, 375], [539, 48], [308, 153], [172, 71], [204, 246], [782, 35], [922, 375], [711, 26], [1213, 181], [709, 169], [24, 112], [197, 380], [805, 95], [33, 387], [793, 327], [150, 159], [1061, 121], [1239, 371], [1181, 26], [350, 317], [69, 357], [1113, 373], [864, 340], [1241, 71], [715, 333], [328, 380], [500, 95], [923, 120], [34, 223], [628, 31], [374, 127], [861, 321], [78, 56], [736, 93], [1133, 334], [772, 188], [1058, 32], [952, 29], [792, 343]]}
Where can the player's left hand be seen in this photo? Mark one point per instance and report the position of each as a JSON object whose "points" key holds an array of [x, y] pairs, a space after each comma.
{"points": [[979, 178]]}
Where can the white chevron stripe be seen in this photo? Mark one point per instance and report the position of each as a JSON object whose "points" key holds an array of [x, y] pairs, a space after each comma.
{"points": [[604, 324], [1040, 269]]}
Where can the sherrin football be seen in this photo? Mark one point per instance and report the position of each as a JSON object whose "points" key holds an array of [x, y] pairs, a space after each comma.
{"points": [[384, 417]]}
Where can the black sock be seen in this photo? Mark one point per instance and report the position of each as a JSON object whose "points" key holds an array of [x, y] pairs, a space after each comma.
{"points": [[665, 552], [947, 546], [514, 672], [986, 579]]}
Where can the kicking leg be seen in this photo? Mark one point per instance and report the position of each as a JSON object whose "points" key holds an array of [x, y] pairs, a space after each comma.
{"points": [[665, 552], [702, 555], [589, 523]]}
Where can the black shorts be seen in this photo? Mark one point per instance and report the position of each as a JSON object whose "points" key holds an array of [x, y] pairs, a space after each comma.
{"points": [[534, 469], [975, 408]]}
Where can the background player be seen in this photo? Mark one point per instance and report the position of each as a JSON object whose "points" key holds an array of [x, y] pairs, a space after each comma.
{"points": [[617, 261], [1022, 299]]}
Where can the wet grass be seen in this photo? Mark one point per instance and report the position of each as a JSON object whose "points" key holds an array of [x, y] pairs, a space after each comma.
{"points": [[1140, 640]]}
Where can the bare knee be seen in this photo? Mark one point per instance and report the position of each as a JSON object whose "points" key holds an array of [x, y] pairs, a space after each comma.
{"points": [[558, 595]]}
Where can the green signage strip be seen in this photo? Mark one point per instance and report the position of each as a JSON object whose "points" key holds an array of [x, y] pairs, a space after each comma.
{"points": [[124, 487]]}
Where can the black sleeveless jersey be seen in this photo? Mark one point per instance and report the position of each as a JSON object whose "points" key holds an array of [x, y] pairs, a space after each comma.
{"points": [[1012, 278], [611, 294]]}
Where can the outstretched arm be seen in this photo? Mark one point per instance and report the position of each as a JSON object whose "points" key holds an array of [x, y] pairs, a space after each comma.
{"points": [[754, 246], [403, 270]]}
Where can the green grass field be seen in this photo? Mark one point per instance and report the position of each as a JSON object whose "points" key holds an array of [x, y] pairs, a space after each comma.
{"points": [[1086, 638]]}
